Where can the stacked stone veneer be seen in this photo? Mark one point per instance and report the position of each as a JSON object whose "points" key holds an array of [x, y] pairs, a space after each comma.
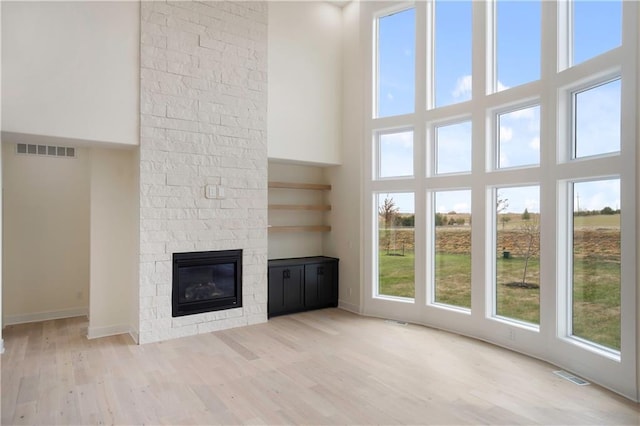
{"points": [[203, 103]]}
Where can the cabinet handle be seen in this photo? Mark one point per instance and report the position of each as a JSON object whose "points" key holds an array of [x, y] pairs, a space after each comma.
{"points": [[320, 270], [286, 274]]}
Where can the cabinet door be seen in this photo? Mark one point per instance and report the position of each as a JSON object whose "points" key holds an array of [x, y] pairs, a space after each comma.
{"points": [[320, 285], [285, 290]]}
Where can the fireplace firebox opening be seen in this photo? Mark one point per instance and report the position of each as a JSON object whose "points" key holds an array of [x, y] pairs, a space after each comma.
{"points": [[206, 281]]}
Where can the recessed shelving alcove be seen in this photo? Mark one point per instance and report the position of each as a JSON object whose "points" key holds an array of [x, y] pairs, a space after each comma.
{"points": [[300, 207]]}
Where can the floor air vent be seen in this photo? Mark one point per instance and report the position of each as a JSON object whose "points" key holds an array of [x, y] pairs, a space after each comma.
{"points": [[47, 150], [570, 377]]}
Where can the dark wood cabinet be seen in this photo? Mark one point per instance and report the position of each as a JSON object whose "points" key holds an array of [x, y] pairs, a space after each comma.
{"points": [[301, 284], [286, 290]]}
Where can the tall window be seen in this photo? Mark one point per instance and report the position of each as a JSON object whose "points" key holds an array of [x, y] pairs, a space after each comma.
{"points": [[452, 68], [597, 28], [396, 64], [452, 247], [518, 253], [517, 43], [595, 284], [396, 245], [500, 168]]}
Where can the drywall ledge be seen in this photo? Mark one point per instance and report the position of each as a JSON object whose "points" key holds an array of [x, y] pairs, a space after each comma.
{"points": [[80, 78]]}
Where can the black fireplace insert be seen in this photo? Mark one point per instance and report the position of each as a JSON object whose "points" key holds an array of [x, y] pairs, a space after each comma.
{"points": [[206, 281]]}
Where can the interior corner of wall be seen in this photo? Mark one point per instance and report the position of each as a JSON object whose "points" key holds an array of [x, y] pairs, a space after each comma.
{"points": [[135, 335]]}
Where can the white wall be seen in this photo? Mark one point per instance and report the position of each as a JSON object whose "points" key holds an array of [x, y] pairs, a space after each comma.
{"points": [[113, 241], [345, 239], [637, 210], [1, 191], [46, 236], [296, 244], [134, 291], [71, 70], [305, 64]]}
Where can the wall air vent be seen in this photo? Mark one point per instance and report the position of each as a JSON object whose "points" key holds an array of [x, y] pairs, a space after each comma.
{"points": [[46, 150]]}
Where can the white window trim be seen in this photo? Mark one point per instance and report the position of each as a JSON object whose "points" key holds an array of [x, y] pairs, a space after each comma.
{"points": [[556, 84]]}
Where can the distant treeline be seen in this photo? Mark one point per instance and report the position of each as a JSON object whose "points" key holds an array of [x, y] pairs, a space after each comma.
{"points": [[441, 219], [604, 211]]}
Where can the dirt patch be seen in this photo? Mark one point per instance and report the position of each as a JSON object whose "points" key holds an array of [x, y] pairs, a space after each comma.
{"points": [[520, 284], [603, 243]]}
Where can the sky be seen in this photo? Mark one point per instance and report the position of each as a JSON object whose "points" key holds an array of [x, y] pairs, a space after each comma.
{"points": [[596, 30]]}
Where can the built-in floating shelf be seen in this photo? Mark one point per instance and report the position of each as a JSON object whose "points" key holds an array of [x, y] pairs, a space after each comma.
{"points": [[300, 207], [311, 228], [322, 207], [291, 185]]}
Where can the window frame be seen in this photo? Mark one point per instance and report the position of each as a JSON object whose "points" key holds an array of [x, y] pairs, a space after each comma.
{"points": [[378, 156], [553, 94], [431, 252], [573, 92], [432, 145], [494, 161]]}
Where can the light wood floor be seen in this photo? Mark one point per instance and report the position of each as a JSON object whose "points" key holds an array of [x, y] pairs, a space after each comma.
{"points": [[322, 367]]}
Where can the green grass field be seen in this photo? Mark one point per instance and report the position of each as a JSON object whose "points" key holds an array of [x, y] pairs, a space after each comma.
{"points": [[596, 290], [521, 303], [453, 279], [596, 301], [598, 221], [396, 274]]}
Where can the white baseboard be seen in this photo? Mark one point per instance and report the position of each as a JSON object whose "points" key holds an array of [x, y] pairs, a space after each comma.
{"points": [[45, 316], [135, 335], [111, 330], [349, 307]]}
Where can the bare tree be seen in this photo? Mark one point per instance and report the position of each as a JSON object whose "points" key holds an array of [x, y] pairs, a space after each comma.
{"points": [[388, 211], [502, 204], [504, 219], [531, 230]]}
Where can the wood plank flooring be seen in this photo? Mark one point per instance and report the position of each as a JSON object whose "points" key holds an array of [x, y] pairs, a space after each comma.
{"points": [[321, 367]]}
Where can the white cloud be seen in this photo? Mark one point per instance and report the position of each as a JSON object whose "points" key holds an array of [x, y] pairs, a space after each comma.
{"points": [[501, 86], [463, 88], [531, 205], [528, 113], [390, 96], [397, 140], [458, 201], [598, 120], [504, 159], [596, 195], [462, 208], [535, 143], [453, 147], [457, 207], [506, 134]]}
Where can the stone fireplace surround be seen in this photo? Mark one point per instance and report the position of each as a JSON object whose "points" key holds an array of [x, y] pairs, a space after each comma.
{"points": [[203, 154]]}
